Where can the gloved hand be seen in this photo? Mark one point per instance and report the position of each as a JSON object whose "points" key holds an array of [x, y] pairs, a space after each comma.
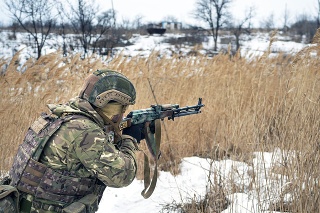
{"points": [[152, 127], [135, 131]]}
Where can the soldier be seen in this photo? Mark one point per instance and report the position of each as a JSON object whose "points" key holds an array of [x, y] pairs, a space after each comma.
{"points": [[68, 158]]}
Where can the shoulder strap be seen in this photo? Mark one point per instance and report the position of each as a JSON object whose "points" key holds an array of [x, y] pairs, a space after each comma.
{"points": [[153, 143], [45, 128]]}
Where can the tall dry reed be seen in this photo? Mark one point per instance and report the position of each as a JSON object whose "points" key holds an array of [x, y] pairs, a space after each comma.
{"points": [[254, 105]]}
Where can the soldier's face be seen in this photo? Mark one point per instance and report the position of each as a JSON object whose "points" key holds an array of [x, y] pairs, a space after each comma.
{"points": [[114, 111]]}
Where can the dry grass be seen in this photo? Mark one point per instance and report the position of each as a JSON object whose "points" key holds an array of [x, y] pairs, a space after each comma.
{"points": [[250, 106]]}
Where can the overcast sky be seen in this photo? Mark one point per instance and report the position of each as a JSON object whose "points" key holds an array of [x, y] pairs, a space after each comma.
{"points": [[156, 10]]}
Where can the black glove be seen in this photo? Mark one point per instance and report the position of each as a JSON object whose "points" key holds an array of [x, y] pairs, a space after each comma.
{"points": [[135, 131], [152, 127]]}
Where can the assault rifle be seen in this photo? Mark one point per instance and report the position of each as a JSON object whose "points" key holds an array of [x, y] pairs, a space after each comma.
{"points": [[170, 111], [151, 117]]}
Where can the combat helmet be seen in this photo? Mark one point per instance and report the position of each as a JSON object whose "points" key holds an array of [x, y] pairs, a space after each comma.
{"points": [[105, 85]]}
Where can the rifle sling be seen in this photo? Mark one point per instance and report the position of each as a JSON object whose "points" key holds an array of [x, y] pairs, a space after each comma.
{"points": [[153, 143]]}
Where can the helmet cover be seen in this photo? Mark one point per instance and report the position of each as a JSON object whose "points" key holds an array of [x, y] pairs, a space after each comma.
{"points": [[104, 86]]}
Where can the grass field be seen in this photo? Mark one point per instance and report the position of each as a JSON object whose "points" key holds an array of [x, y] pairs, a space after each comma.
{"points": [[255, 105]]}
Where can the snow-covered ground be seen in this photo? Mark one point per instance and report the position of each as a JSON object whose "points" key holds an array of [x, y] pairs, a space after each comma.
{"points": [[143, 45], [256, 179], [258, 184]]}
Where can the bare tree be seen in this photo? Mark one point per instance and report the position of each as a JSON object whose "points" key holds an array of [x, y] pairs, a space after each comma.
{"points": [[286, 19], [305, 26], [87, 22], [170, 19], [105, 22], [34, 16], [125, 24], [268, 22], [239, 27], [214, 13], [318, 14], [138, 21]]}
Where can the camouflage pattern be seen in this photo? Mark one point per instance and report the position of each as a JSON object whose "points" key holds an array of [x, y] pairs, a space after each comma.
{"points": [[32, 177], [77, 154], [7, 205], [81, 146], [30, 150], [8, 199], [105, 85]]}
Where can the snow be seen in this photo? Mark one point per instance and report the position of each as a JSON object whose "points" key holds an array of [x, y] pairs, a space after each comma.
{"points": [[258, 190], [143, 45], [257, 45]]}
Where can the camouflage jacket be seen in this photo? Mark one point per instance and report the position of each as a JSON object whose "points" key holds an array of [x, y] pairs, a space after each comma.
{"points": [[82, 146]]}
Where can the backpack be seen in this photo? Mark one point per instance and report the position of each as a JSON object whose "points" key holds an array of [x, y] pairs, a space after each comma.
{"points": [[30, 176]]}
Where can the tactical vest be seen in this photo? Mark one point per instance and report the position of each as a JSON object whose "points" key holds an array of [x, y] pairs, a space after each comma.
{"points": [[30, 176]]}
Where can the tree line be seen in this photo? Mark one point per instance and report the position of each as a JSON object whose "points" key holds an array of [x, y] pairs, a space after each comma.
{"points": [[98, 29]]}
